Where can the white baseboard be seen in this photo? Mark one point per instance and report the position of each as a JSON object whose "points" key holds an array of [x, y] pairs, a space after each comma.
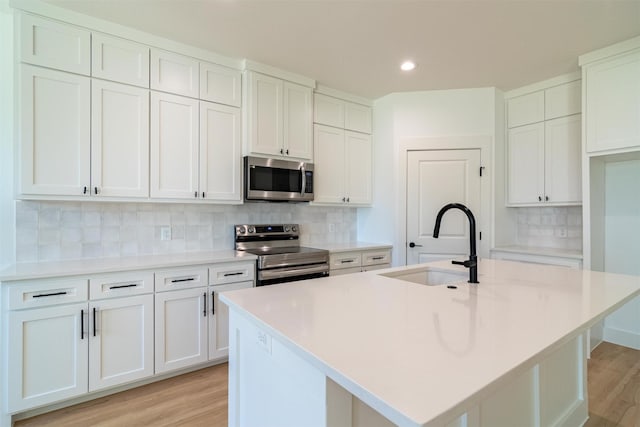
{"points": [[622, 337]]}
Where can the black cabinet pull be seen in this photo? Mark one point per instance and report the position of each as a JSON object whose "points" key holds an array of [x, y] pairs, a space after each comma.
{"points": [[546, 198], [132, 285], [94, 321], [346, 261], [539, 198], [85, 190], [81, 324], [213, 305], [281, 151], [287, 151], [204, 311], [183, 280], [347, 200], [238, 273], [50, 295], [376, 258], [203, 194], [95, 189], [195, 194]]}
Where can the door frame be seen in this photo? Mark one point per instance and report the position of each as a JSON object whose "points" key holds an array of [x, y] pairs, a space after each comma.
{"points": [[440, 143]]}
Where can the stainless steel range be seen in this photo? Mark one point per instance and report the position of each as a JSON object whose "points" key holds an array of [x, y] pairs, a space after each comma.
{"points": [[280, 257]]}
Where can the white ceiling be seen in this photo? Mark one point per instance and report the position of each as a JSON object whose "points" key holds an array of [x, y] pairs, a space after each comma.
{"points": [[357, 46]]}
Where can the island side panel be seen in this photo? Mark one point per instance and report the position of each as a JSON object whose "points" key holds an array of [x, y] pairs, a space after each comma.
{"points": [[269, 385]]}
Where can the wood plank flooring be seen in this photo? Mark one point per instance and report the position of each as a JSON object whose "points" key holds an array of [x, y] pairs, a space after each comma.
{"points": [[200, 398]]}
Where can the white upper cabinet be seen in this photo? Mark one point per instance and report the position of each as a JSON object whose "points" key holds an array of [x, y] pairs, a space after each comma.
{"points": [[220, 84], [563, 100], [612, 91], [525, 148], [563, 162], [279, 118], [174, 73], [220, 152], [54, 44], [120, 60], [174, 146], [120, 140], [525, 109], [55, 132], [342, 114], [358, 170]]}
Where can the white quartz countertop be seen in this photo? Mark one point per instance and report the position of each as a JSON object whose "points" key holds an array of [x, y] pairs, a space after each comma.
{"points": [[25, 271], [352, 246], [415, 352], [530, 250]]}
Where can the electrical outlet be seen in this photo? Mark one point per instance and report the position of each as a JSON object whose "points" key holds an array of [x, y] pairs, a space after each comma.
{"points": [[165, 233], [562, 232]]}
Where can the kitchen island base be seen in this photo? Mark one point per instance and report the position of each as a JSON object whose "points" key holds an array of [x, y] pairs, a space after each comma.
{"points": [[274, 383]]}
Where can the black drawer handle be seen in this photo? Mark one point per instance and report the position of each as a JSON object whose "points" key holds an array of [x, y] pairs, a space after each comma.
{"points": [[190, 279], [204, 310], [213, 303], [51, 294], [238, 273], [346, 261], [94, 321], [131, 285], [376, 258], [81, 324]]}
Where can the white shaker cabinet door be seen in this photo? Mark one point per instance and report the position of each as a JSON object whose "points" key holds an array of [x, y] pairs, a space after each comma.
{"points": [[174, 146], [47, 354], [328, 110], [563, 148], [121, 340], [219, 319], [54, 44], [357, 117], [220, 84], [174, 73], [525, 109], [180, 329], [298, 121], [525, 149], [220, 152], [120, 60], [329, 166], [358, 168], [264, 114], [55, 132], [120, 140]]}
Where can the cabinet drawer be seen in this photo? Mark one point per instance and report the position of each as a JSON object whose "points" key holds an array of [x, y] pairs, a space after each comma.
{"points": [[345, 260], [42, 293], [376, 257], [120, 284], [180, 278], [231, 272]]}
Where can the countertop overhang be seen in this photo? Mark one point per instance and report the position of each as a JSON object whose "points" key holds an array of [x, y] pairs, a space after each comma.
{"points": [[415, 352]]}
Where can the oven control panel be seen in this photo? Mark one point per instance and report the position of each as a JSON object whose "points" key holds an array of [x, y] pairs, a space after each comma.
{"points": [[266, 229]]}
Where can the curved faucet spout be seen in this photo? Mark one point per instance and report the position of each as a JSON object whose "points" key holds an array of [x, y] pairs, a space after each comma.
{"points": [[472, 262]]}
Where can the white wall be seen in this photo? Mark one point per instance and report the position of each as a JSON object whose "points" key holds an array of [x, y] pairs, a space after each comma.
{"points": [[459, 112], [622, 245], [7, 215]]}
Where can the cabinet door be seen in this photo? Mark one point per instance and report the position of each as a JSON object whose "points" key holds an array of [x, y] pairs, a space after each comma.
{"points": [[219, 319], [47, 354], [174, 146], [525, 109], [264, 114], [613, 103], [563, 161], [329, 165], [54, 44], [298, 121], [174, 73], [120, 60], [120, 140], [220, 84], [563, 100], [525, 148], [180, 329], [55, 128], [328, 110], [220, 152], [121, 341], [358, 167], [357, 117]]}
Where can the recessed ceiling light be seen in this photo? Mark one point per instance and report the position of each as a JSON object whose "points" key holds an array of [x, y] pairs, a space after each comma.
{"points": [[408, 66]]}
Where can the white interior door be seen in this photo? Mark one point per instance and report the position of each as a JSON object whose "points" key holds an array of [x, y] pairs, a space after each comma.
{"points": [[434, 179]]}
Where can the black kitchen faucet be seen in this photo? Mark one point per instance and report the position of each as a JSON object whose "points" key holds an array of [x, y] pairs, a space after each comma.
{"points": [[472, 262]]}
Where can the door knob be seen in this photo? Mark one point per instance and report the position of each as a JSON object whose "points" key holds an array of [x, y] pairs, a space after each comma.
{"points": [[413, 245]]}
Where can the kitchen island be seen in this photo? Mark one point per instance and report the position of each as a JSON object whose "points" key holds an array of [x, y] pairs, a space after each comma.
{"points": [[418, 346]]}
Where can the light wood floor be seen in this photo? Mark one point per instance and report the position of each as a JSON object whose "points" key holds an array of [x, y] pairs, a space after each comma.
{"points": [[200, 398]]}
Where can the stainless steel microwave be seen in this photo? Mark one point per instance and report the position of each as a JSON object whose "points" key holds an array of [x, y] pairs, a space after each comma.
{"points": [[277, 180]]}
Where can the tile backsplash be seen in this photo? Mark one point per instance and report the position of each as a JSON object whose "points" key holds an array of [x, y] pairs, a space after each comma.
{"points": [[551, 227], [53, 231]]}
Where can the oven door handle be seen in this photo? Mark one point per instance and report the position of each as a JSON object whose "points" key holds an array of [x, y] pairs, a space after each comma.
{"points": [[289, 272], [304, 180]]}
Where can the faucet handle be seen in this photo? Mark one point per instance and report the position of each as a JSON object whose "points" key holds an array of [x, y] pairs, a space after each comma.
{"points": [[467, 263]]}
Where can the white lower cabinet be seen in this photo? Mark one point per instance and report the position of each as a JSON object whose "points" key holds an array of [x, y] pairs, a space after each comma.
{"points": [[219, 320], [181, 328], [356, 261]]}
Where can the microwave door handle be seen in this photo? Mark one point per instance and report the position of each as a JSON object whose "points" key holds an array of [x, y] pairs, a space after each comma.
{"points": [[304, 180]]}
